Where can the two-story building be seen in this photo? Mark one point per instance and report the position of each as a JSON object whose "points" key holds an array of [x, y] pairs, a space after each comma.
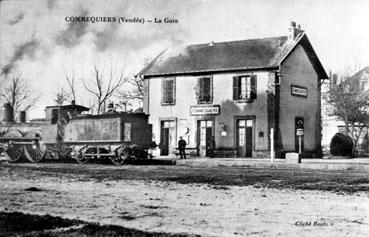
{"points": [[236, 92]]}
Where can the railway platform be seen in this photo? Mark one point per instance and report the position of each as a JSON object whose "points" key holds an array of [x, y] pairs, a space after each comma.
{"points": [[361, 164]]}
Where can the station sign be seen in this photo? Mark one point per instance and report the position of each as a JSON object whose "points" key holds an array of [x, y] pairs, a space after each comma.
{"points": [[299, 91], [205, 110]]}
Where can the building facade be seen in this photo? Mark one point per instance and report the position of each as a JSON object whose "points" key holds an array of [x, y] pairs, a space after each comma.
{"points": [[235, 93]]}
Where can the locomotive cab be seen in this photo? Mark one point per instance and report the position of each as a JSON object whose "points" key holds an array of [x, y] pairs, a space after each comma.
{"points": [[63, 113]]}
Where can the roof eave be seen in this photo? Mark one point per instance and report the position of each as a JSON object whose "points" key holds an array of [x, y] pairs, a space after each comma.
{"points": [[322, 74], [272, 67], [149, 65]]}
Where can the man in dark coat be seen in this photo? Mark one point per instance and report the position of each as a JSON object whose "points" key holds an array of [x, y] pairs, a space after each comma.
{"points": [[212, 146], [181, 147]]}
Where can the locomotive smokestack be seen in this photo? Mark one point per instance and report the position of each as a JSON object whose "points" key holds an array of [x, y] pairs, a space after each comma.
{"points": [[8, 113], [22, 116], [73, 102]]}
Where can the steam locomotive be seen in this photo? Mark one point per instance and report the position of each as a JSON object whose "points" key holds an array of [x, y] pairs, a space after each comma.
{"points": [[66, 133]]}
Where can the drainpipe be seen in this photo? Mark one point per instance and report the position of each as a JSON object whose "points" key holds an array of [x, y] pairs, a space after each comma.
{"points": [[277, 83]]}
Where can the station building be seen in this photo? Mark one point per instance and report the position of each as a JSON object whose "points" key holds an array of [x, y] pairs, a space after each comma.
{"points": [[236, 92]]}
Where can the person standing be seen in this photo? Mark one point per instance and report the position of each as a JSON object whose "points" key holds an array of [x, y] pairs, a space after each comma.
{"points": [[212, 146], [182, 147]]}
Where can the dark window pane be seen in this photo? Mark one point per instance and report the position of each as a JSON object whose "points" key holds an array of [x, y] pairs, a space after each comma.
{"points": [[168, 91], [204, 89]]}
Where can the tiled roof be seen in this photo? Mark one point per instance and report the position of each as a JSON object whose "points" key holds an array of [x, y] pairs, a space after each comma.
{"points": [[255, 53], [223, 56], [361, 73]]}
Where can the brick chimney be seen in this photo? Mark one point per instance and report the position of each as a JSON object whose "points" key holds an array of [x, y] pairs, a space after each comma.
{"points": [[294, 31]]}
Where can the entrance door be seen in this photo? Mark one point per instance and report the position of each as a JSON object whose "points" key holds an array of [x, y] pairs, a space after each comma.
{"points": [[164, 139], [244, 137], [205, 131], [167, 137]]}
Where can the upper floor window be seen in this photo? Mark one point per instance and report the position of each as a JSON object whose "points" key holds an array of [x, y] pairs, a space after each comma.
{"points": [[364, 85], [244, 88], [205, 89], [168, 92]]}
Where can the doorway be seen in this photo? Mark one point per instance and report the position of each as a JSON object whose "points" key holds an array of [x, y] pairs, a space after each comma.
{"points": [[166, 135], [244, 137], [205, 132]]}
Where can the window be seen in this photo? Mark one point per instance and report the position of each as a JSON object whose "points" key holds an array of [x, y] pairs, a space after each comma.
{"points": [[54, 116], [244, 88], [127, 132], [168, 91], [205, 90], [364, 86]]}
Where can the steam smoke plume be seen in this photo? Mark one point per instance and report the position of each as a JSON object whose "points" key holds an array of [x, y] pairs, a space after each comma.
{"points": [[27, 49]]}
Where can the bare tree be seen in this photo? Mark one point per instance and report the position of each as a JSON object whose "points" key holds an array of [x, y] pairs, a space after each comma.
{"points": [[124, 101], [102, 89], [135, 92], [137, 83], [71, 85], [349, 103], [19, 95], [61, 97], [138, 92]]}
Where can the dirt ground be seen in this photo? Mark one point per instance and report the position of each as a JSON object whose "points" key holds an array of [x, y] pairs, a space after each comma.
{"points": [[172, 200]]}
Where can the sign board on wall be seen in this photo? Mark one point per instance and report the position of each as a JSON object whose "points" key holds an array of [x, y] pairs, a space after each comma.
{"points": [[299, 91], [205, 110]]}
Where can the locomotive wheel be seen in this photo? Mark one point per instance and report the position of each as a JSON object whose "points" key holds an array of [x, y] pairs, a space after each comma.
{"points": [[79, 157], [14, 153], [82, 159], [120, 159], [34, 154]]}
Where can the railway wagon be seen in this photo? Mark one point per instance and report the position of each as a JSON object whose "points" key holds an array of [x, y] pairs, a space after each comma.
{"points": [[116, 136]]}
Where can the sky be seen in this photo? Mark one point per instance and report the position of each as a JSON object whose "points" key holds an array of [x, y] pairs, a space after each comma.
{"points": [[37, 42]]}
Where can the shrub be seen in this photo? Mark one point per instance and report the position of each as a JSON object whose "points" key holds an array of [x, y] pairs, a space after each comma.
{"points": [[341, 145]]}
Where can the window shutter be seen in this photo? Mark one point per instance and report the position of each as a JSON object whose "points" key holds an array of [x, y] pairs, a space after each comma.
{"points": [[174, 90], [169, 91], [253, 87], [163, 91], [211, 89], [200, 89], [206, 89], [235, 88]]}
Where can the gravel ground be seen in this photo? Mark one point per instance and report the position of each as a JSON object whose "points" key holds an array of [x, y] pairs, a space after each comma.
{"points": [[207, 202]]}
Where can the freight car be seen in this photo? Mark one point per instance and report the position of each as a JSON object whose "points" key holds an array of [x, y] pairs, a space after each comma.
{"points": [[67, 133]]}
